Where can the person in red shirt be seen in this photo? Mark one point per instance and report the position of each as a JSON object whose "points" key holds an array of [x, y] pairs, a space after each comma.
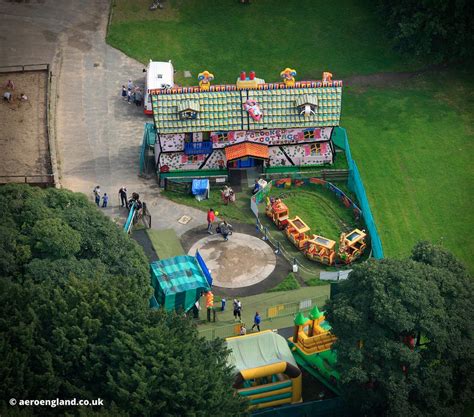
{"points": [[211, 217]]}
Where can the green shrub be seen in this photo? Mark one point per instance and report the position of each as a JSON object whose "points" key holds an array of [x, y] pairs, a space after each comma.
{"points": [[288, 284]]}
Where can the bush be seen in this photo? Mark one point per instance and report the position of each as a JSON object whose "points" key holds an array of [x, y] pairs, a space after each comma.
{"points": [[288, 284]]}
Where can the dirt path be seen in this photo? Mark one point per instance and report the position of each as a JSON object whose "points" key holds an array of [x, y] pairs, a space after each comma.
{"points": [[383, 79]]}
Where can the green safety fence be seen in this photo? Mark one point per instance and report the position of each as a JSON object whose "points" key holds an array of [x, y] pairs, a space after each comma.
{"points": [[339, 137], [334, 407], [149, 138]]}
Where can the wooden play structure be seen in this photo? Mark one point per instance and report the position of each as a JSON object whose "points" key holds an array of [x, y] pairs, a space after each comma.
{"points": [[295, 231], [316, 248]]}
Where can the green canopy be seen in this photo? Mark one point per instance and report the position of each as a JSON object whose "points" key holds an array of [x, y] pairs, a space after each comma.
{"points": [[258, 349], [178, 282]]}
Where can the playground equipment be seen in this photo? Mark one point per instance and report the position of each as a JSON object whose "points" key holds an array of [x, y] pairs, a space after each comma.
{"points": [[352, 245], [288, 76], [253, 109], [321, 249], [295, 231], [316, 248], [311, 346], [278, 212], [136, 211], [178, 282], [205, 79], [266, 371]]}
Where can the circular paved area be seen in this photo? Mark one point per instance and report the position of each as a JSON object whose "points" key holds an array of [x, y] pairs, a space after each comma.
{"points": [[242, 261]]}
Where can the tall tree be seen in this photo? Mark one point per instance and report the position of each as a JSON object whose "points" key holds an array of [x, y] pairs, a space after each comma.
{"points": [[75, 319], [405, 336], [443, 29]]}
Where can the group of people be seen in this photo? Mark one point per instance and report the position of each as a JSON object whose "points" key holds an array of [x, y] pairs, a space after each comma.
{"points": [[223, 228], [98, 197], [132, 93], [8, 94]]}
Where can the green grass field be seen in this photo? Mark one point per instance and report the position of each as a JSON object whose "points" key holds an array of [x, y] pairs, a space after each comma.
{"points": [[412, 140], [413, 144]]}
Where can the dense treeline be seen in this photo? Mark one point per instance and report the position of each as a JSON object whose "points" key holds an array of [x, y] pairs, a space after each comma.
{"points": [[405, 335], [75, 320], [442, 29]]}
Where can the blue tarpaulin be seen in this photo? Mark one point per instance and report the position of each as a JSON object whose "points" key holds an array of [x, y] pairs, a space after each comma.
{"points": [[201, 188]]}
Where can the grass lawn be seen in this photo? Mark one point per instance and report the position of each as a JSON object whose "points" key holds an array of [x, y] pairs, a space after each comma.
{"points": [[226, 37], [413, 144], [261, 303], [165, 243], [412, 140]]}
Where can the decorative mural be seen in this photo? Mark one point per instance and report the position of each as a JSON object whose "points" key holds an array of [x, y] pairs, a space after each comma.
{"points": [[271, 136]]}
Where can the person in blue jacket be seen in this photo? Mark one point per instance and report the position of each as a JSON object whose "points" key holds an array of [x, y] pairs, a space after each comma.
{"points": [[256, 321]]}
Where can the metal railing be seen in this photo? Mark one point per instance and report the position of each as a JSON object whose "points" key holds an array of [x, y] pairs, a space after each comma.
{"points": [[268, 316]]}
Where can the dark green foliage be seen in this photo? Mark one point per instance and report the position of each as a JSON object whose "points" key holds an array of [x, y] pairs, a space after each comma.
{"points": [[75, 320], [429, 297], [443, 29]]}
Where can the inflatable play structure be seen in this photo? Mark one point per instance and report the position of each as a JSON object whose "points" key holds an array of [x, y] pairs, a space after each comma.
{"points": [[311, 347], [316, 248], [178, 282], [265, 370]]}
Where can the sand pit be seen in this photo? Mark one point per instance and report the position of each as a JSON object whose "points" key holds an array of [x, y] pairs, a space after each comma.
{"points": [[23, 135]]}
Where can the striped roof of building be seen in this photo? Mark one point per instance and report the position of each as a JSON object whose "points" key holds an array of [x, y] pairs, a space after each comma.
{"points": [[221, 108]]}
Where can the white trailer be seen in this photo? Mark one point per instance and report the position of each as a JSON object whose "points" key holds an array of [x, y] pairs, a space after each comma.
{"points": [[160, 75]]}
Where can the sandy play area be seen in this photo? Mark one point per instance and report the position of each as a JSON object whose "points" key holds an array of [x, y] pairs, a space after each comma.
{"points": [[23, 136]]}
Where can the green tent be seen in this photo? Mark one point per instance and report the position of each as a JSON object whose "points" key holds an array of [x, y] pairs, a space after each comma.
{"points": [[178, 282]]}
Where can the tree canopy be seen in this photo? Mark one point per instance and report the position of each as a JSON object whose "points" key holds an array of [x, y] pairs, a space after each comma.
{"points": [[405, 336], [439, 28], [75, 320]]}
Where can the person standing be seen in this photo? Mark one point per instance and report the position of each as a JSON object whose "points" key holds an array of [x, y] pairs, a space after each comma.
{"points": [[123, 196], [124, 92], [129, 96], [211, 217], [96, 192], [105, 200], [256, 321], [237, 310], [223, 301], [130, 85]]}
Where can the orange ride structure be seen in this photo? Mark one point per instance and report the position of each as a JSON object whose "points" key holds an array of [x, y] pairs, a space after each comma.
{"points": [[321, 250], [278, 212], [295, 231], [311, 346], [352, 245], [316, 248]]}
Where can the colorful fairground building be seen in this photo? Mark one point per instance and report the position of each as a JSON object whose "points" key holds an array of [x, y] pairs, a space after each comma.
{"points": [[215, 130]]}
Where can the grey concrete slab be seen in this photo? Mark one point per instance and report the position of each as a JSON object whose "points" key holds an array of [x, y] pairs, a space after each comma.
{"points": [[98, 134]]}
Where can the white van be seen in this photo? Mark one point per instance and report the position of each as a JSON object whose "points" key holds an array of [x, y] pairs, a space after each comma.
{"points": [[159, 75]]}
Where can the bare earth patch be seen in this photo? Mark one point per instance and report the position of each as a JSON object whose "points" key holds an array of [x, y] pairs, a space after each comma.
{"points": [[23, 135]]}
